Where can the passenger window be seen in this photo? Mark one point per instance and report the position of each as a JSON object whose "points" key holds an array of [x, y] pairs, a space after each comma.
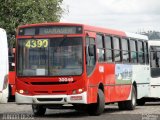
{"points": [[155, 61], [117, 52], [99, 41], [146, 52], [141, 52], [100, 48], [125, 50], [133, 51], [108, 49]]}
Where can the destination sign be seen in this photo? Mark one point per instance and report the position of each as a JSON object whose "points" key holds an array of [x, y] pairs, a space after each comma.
{"points": [[58, 30], [51, 30]]}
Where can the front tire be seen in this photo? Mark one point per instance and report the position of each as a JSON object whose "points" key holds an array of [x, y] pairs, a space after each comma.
{"points": [[38, 110], [97, 108], [11, 98]]}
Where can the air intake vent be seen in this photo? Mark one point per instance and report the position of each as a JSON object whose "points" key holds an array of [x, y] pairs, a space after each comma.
{"points": [[48, 83], [49, 99]]}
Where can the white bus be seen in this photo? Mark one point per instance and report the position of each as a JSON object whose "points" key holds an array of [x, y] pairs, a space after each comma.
{"points": [[154, 56], [154, 48], [3, 67]]}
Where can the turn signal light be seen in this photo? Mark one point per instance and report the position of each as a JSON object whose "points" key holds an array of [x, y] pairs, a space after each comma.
{"points": [[23, 91], [79, 91]]}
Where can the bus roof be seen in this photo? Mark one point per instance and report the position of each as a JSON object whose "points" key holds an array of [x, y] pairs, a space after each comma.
{"points": [[92, 29], [115, 32]]}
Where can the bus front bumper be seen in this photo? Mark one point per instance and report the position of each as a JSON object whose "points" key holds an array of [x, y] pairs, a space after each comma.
{"points": [[51, 99]]}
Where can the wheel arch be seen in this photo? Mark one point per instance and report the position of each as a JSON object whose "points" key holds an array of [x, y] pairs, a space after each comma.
{"points": [[101, 86]]}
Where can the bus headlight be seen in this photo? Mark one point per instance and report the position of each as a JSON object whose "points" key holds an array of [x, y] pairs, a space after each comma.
{"points": [[23, 91], [78, 91]]}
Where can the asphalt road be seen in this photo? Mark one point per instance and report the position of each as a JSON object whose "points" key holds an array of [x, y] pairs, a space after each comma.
{"points": [[150, 111]]}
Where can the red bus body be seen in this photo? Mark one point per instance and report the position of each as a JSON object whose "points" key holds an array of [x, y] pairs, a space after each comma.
{"points": [[30, 88], [12, 82]]}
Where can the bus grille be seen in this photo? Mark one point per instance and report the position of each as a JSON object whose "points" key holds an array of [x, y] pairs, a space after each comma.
{"points": [[49, 92], [49, 99], [48, 83]]}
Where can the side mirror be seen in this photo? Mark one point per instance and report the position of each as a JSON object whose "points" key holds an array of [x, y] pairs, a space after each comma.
{"points": [[91, 50]]}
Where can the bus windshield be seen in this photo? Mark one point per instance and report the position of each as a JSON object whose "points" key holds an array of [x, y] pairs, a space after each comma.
{"points": [[50, 57]]}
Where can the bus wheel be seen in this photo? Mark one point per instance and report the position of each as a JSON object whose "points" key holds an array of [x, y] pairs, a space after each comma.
{"points": [[141, 102], [97, 108], [38, 110], [10, 97], [131, 104]]}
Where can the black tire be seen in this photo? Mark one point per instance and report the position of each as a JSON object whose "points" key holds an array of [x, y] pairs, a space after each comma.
{"points": [[10, 94], [131, 104], [121, 105], [11, 98], [38, 110], [97, 108], [140, 102]]}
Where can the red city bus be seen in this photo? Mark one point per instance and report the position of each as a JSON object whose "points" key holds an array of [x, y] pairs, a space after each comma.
{"points": [[11, 74], [81, 65]]}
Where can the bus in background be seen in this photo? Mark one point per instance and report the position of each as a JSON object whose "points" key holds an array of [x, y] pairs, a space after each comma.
{"points": [[3, 67], [82, 65], [11, 74], [154, 51]]}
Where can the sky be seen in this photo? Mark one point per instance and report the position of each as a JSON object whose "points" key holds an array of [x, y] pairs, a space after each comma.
{"points": [[126, 15]]}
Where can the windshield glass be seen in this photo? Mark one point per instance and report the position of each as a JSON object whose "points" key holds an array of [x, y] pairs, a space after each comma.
{"points": [[50, 57]]}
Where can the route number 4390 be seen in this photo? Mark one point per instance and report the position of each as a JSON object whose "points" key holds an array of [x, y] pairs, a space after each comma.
{"points": [[40, 43]]}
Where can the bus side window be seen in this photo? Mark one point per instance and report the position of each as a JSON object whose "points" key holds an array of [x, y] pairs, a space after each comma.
{"points": [[155, 61], [117, 51], [141, 58], [100, 48], [152, 57], [125, 50], [146, 52], [90, 58], [108, 48], [155, 57], [133, 51], [158, 59]]}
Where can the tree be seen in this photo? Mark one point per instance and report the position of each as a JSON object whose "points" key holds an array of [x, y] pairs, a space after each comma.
{"points": [[18, 12]]}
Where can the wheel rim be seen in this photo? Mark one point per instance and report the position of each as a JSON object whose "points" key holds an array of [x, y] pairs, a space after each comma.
{"points": [[133, 99]]}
